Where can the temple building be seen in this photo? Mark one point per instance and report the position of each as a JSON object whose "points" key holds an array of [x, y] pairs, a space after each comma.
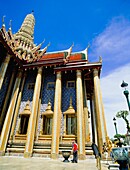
{"points": [[47, 99]]}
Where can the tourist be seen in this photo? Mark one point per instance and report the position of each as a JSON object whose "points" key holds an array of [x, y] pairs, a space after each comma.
{"points": [[75, 152], [95, 150]]}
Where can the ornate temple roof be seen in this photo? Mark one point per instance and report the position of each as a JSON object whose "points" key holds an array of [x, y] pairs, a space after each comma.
{"points": [[21, 46]]}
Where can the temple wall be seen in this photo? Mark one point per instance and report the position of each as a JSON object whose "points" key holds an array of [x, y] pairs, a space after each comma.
{"points": [[27, 93]]}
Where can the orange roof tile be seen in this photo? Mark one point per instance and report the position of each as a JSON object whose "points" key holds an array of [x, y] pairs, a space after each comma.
{"points": [[52, 56], [76, 57]]}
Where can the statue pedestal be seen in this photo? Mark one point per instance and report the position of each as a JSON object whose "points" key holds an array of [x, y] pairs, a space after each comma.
{"points": [[121, 155], [114, 166]]}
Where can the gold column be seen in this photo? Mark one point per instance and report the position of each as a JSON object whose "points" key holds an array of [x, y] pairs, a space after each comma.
{"points": [[41, 127], [80, 121], [32, 120], [38, 117], [103, 116], [98, 111], [9, 116], [93, 119], [86, 118], [7, 98], [3, 69], [64, 124], [17, 107], [18, 130], [56, 118]]}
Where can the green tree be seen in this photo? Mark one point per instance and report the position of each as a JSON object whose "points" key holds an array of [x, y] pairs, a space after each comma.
{"points": [[123, 114]]}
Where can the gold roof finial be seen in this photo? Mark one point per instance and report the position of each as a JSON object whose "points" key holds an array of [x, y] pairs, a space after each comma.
{"points": [[10, 24], [43, 41], [85, 52], [48, 44], [88, 46], [3, 20], [69, 51], [100, 59], [33, 12]]}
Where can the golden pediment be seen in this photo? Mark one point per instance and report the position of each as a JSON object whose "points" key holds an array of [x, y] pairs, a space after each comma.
{"points": [[70, 110], [48, 110], [26, 111]]}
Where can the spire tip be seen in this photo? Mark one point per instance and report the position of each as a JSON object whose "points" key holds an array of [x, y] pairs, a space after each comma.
{"points": [[33, 12]]}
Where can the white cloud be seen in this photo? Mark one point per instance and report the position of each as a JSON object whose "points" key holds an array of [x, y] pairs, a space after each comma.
{"points": [[113, 97], [113, 44]]}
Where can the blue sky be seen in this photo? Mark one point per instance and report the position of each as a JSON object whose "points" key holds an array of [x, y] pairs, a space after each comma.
{"points": [[105, 25]]}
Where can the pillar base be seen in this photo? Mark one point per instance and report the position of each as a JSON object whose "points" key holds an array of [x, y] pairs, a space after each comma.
{"points": [[2, 153], [81, 157], [11, 138], [54, 156], [27, 155], [88, 138]]}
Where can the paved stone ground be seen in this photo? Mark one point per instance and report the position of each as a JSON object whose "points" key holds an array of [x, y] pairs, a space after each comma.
{"points": [[20, 163]]}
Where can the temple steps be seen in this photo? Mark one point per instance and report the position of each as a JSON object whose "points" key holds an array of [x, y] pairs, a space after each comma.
{"points": [[41, 149], [15, 148], [88, 149]]}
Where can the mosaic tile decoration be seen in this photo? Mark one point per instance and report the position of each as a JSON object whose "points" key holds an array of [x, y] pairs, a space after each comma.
{"points": [[68, 92], [48, 94], [28, 93]]}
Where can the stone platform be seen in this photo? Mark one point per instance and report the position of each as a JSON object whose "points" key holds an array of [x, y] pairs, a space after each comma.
{"points": [[20, 163]]}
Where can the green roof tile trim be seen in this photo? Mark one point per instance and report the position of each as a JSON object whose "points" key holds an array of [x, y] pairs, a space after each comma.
{"points": [[83, 56], [65, 54]]}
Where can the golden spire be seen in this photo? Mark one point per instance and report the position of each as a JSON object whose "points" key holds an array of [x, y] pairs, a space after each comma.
{"points": [[10, 24], [27, 29]]}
